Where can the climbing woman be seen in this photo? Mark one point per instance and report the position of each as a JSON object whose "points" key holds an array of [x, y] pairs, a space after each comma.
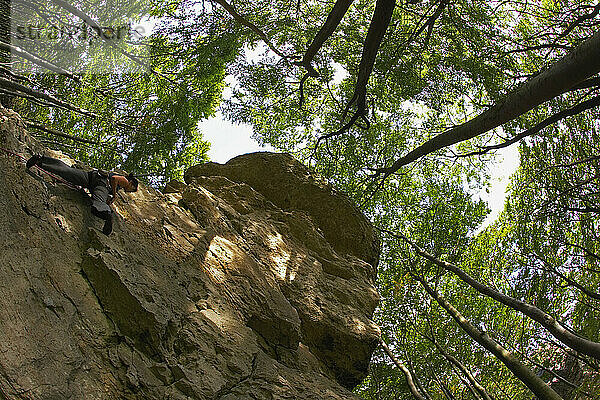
{"points": [[99, 183]]}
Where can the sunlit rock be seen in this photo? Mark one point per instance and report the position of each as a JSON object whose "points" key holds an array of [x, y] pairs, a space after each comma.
{"points": [[256, 284]]}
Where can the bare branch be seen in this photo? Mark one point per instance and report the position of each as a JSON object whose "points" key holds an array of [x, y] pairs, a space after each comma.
{"points": [[481, 391], [570, 282], [537, 47], [38, 60], [580, 20], [44, 64], [93, 24], [430, 22], [54, 132]]}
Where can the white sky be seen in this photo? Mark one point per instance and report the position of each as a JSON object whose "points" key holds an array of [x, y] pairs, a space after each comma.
{"points": [[508, 161], [228, 140]]}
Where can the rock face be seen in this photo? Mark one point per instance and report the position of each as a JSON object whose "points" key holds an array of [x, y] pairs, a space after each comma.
{"points": [[291, 186], [251, 281]]}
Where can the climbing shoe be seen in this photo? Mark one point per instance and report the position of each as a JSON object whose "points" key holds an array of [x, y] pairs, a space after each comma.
{"points": [[107, 229], [34, 160]]}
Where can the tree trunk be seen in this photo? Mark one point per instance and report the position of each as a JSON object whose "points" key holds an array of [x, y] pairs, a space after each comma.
{"points": [[472, 381], [407, 374], [524, 374], [573, 341], [5, 22], [377, 28]]}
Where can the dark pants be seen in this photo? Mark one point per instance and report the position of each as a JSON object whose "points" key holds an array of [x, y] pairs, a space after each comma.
{"points": [[90, 180]]}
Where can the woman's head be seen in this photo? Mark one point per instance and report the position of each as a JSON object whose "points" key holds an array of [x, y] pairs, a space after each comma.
{"points": [[133, 183]]}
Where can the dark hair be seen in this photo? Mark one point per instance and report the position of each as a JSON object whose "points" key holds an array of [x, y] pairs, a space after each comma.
{"points": [[133, 180]]}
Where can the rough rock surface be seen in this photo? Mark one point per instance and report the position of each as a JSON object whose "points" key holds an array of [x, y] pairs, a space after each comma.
{"points": [[236, 285], [291, 186]]}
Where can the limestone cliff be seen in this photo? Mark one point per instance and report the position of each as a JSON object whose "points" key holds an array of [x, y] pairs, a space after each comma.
{"points": [[254, 280]]}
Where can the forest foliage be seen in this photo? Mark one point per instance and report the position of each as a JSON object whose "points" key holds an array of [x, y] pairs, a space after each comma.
{"points": [[403, 105]]}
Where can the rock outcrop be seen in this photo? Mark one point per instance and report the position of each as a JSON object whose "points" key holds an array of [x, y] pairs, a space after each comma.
{"points": [[253, 280]]}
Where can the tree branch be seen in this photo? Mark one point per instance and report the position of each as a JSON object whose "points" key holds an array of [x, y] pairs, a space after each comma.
{"points": [[331, 23], [579, 20], [585, 105], [377, 28], [575, 342], [6, 83], [482, 392], [54, 132], [527, 376], [588, 83], [243, 21], [430, 22], [37, 60], [35, 125], [571, 282], [93, 24], [409, 378], [580, 64]]}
